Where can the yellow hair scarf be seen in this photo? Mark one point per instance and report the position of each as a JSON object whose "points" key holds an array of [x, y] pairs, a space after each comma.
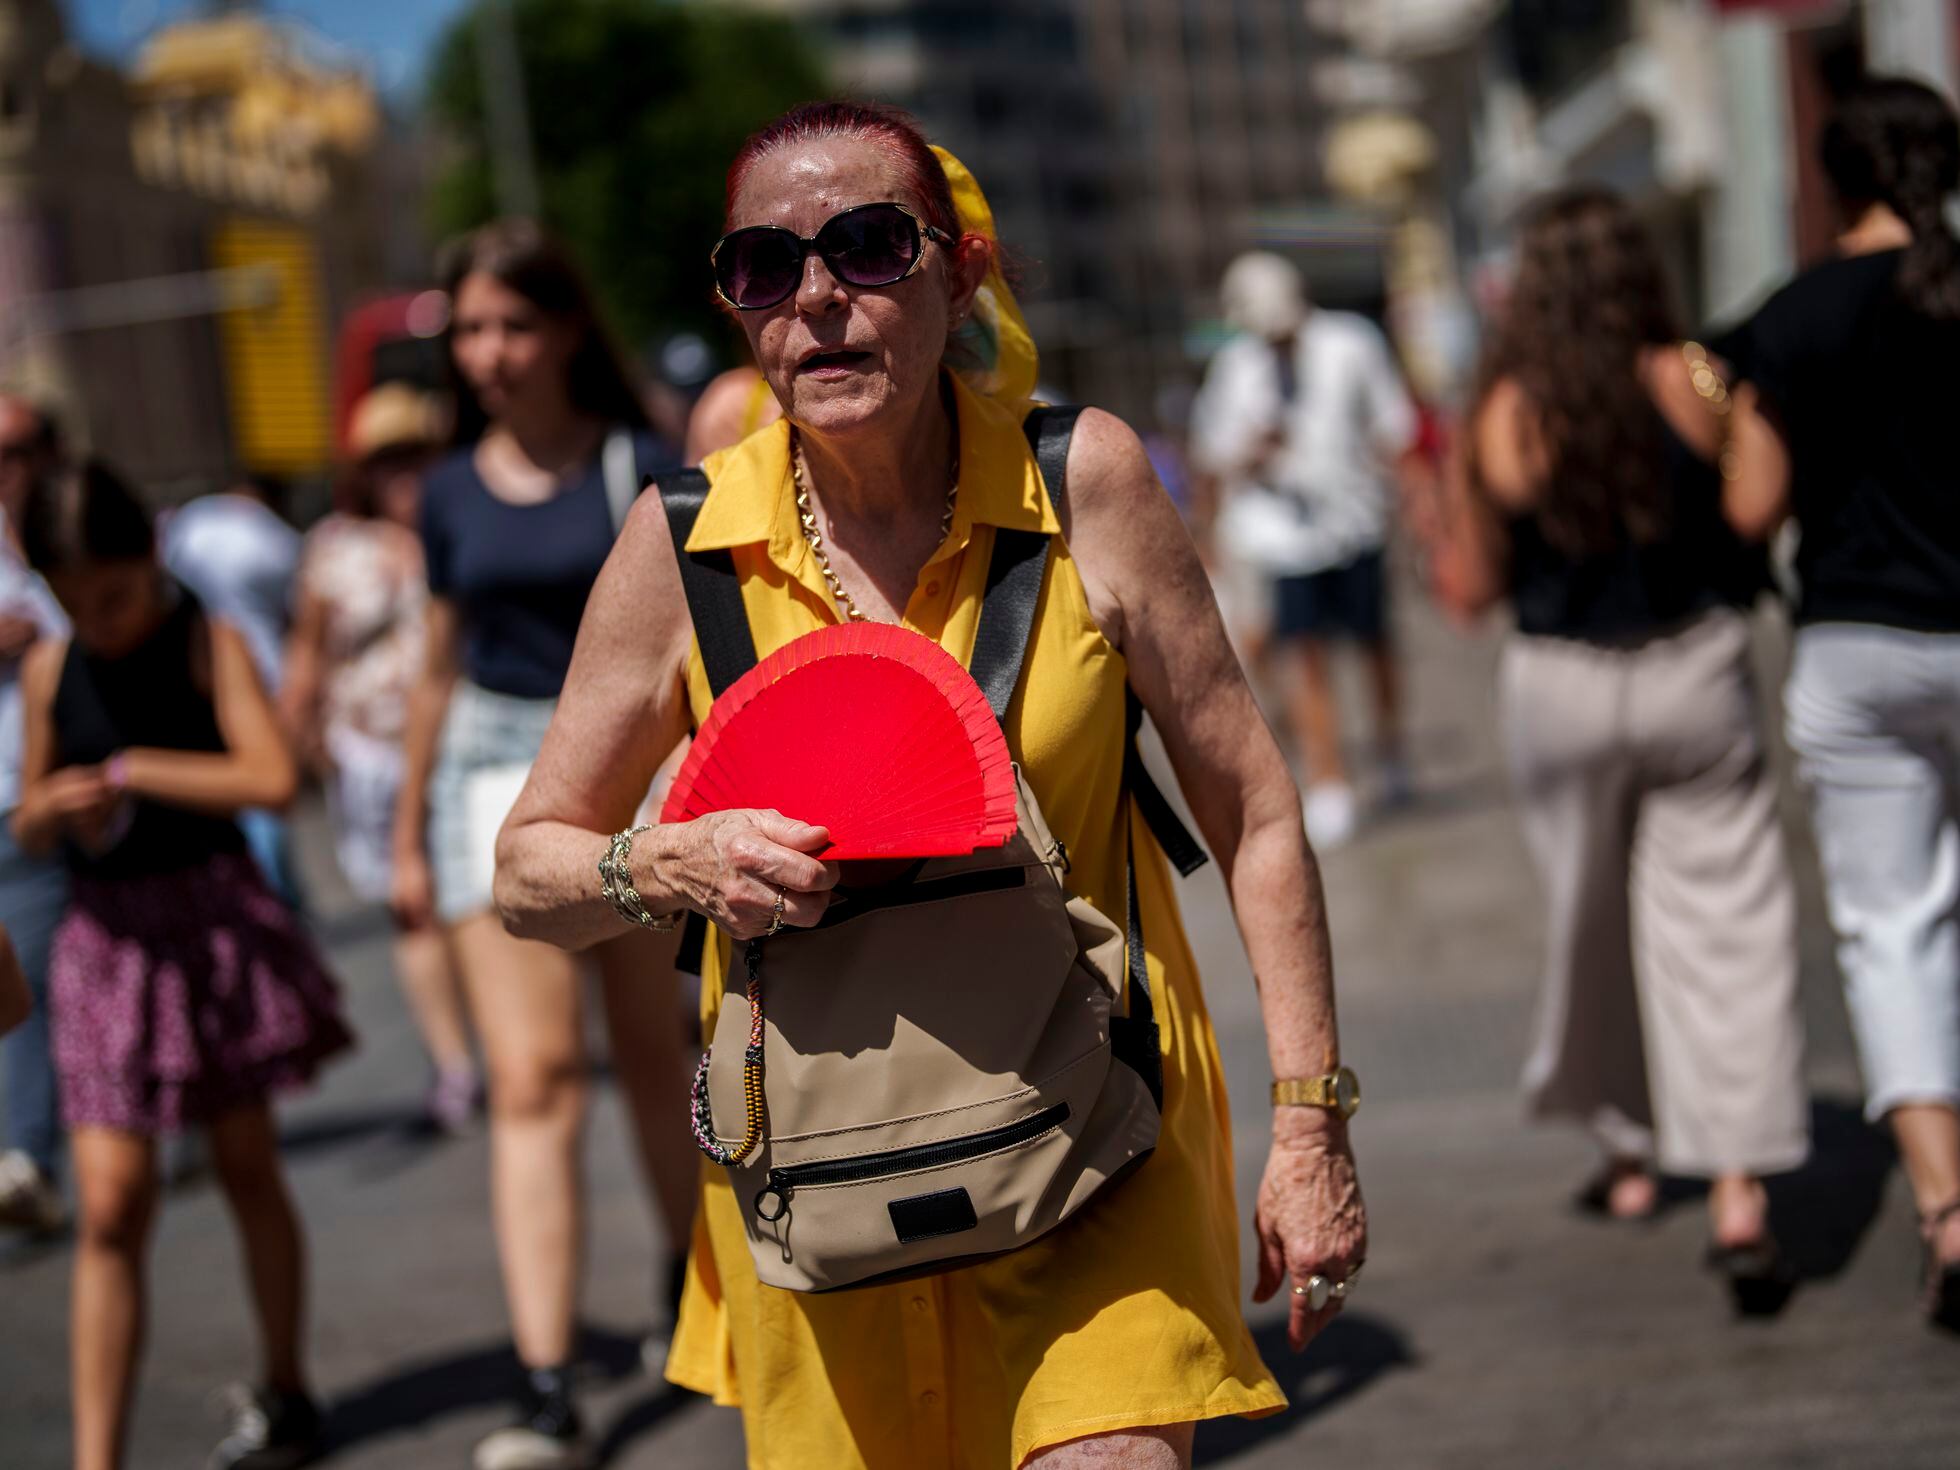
{"points": [[991, 350]]}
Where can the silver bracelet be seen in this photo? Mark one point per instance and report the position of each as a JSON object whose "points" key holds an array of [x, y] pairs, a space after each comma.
{"points": [[616, 884]]}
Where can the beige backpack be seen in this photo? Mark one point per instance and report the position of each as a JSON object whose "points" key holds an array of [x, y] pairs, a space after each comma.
{"points": [[948, 1066]]}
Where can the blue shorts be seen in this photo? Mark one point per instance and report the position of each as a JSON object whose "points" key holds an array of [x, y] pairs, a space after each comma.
{"points": [[1346, 601]]}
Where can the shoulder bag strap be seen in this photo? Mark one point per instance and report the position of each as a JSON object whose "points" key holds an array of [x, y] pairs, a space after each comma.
{"points": [[721, 627], [714, 595]]}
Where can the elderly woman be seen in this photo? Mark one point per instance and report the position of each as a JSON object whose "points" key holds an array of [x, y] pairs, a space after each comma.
{"points": [[1106, 1340]]}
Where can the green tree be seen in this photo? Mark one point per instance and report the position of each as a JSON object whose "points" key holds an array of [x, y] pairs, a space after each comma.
{"points": [[636, 108]]}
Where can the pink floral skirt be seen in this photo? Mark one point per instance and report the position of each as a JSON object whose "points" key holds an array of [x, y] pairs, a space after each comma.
{"points": [[177, 997]]}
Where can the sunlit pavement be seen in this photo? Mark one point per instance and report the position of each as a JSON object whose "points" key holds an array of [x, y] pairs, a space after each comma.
{"points": [[1493, 1327]]}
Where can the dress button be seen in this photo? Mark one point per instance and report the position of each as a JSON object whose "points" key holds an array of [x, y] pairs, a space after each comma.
{"points": [[929, 1398], [919, 1304], [932, 589]]}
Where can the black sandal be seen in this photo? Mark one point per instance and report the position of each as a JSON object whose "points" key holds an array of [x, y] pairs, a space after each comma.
{"points": [[1940, 1289], [1759, 1278]]}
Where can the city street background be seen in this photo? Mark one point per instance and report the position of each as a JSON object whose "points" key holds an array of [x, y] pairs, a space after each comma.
{"points": [[1494, 1327]]}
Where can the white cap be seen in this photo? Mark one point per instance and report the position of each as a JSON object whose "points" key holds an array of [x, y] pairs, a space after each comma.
{"points": [[1264, 294]]}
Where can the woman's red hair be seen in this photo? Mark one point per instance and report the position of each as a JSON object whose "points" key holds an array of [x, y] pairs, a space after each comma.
{"points": [[885, 128]]}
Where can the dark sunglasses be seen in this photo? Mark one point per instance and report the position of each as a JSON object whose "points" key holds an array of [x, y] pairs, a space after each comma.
{"points": [[871, 245]]}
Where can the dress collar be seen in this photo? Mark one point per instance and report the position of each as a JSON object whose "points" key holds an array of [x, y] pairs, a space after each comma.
{"points": [[752, 498]]}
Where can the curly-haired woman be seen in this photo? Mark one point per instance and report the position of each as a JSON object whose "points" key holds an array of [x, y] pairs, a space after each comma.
{"points": [[1592, 504]]}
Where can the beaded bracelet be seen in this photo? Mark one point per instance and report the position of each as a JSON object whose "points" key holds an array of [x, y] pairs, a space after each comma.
{"points": [[616, 883]]}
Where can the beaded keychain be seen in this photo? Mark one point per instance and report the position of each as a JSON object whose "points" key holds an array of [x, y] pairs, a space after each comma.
{"points": [[703, 1114]]}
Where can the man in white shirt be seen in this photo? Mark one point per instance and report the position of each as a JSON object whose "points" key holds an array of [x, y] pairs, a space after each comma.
{"points": [[1304, 420], [33, 891]]}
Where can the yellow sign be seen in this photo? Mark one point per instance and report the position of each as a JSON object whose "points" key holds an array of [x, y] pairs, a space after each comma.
{"points": [[275, 355]]}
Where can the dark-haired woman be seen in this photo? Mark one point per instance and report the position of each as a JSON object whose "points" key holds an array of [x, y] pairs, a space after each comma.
{"points": [[183, 992], [355, 650], [516, 525], [862, 264], [1847, 424], [1592, 504]]}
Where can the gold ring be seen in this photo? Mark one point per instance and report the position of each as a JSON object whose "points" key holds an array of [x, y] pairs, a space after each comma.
{"points": [[776, 918]]}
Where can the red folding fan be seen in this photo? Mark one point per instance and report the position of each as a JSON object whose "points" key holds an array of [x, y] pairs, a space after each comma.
{"points": [[868, 729]]}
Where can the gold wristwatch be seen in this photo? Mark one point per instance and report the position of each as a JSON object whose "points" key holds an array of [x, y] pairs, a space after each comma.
{"points": [[1338, 1091]]}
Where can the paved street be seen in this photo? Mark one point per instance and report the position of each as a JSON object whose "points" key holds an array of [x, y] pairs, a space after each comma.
{"points": [[1493, 1328]]}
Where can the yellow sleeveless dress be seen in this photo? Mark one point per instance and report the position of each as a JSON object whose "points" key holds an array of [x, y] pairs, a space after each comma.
{"points": [[1129, 1314]]}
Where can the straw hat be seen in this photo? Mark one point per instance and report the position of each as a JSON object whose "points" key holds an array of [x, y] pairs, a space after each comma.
{"points": [[393, 416]]}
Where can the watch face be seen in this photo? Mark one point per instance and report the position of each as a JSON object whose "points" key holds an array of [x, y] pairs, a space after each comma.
{"points": [[1347, 1092]]}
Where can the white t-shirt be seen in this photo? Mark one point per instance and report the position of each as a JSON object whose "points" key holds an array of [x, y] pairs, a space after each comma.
{"points": [[1326, 498], [22, 595], [240, 559]]}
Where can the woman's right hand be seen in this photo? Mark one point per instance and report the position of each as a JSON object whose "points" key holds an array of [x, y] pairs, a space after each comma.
{"points": [[412, 889], [732, 865]]}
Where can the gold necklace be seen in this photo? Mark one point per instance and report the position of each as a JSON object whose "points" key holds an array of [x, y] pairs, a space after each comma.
{"points": [[807, 514]]}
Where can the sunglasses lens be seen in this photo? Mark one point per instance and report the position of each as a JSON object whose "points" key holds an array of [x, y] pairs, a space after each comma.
{"points": [[758, 267], [872, 246]]}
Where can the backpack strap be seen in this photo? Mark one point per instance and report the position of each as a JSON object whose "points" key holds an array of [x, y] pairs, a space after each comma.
{"points": [[721, 627], [714, 595], [1020, 562]]}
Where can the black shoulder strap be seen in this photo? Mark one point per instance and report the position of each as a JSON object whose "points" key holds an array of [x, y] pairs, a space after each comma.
{"points": [[1014, 576], [714, 596], [721, 627]]}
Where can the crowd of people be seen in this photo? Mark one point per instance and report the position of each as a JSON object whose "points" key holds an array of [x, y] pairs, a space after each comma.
{"points": [[493, 649]]}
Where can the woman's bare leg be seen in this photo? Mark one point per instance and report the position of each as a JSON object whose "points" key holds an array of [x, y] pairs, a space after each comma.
{"points": [[1167, 1447], [435, 997], [643, 1017], [245, 1153], [1929, 1142], [526, 1000], [116, 1180]]}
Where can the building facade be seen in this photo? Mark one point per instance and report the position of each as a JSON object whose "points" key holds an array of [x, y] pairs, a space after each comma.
{"points": [[175, 241], [1130, 149]]}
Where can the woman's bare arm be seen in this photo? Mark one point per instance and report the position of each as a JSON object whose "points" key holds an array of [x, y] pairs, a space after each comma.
{"points": [[622, 710], [1152, 599], [255, 769], [1756, 499], [304, 674], [51, 799]]}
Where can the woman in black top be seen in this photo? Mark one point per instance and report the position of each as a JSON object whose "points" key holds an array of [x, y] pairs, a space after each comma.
{"points": [[1848, 424], [182, 992], [516, 525], [1592, 504]]}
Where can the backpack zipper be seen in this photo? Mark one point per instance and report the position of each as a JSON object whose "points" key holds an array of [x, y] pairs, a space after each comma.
{"points": [[784, 1182]]}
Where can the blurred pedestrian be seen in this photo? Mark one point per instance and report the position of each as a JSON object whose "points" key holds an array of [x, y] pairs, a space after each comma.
{"points": [[1304, 418], [237, 553], [184, 993], [858, 258], [33, 890], [355, 652], [515, 526], [1846, 423], [731, 408], [1592, 503]]}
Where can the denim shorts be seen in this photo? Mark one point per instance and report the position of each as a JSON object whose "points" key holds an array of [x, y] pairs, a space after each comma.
{"points": [[489, 741]]}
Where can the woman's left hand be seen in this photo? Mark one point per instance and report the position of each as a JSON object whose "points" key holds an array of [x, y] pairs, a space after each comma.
{"points": [[1310, 1219]]}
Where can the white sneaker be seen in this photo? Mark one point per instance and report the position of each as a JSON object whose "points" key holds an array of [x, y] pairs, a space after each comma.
{"points": [[520, 1447], [1331, 814], [28, 1199]]}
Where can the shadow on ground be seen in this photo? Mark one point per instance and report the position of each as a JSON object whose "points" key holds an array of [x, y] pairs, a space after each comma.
{"points": [[416, 1394], [1352, 1353]]}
